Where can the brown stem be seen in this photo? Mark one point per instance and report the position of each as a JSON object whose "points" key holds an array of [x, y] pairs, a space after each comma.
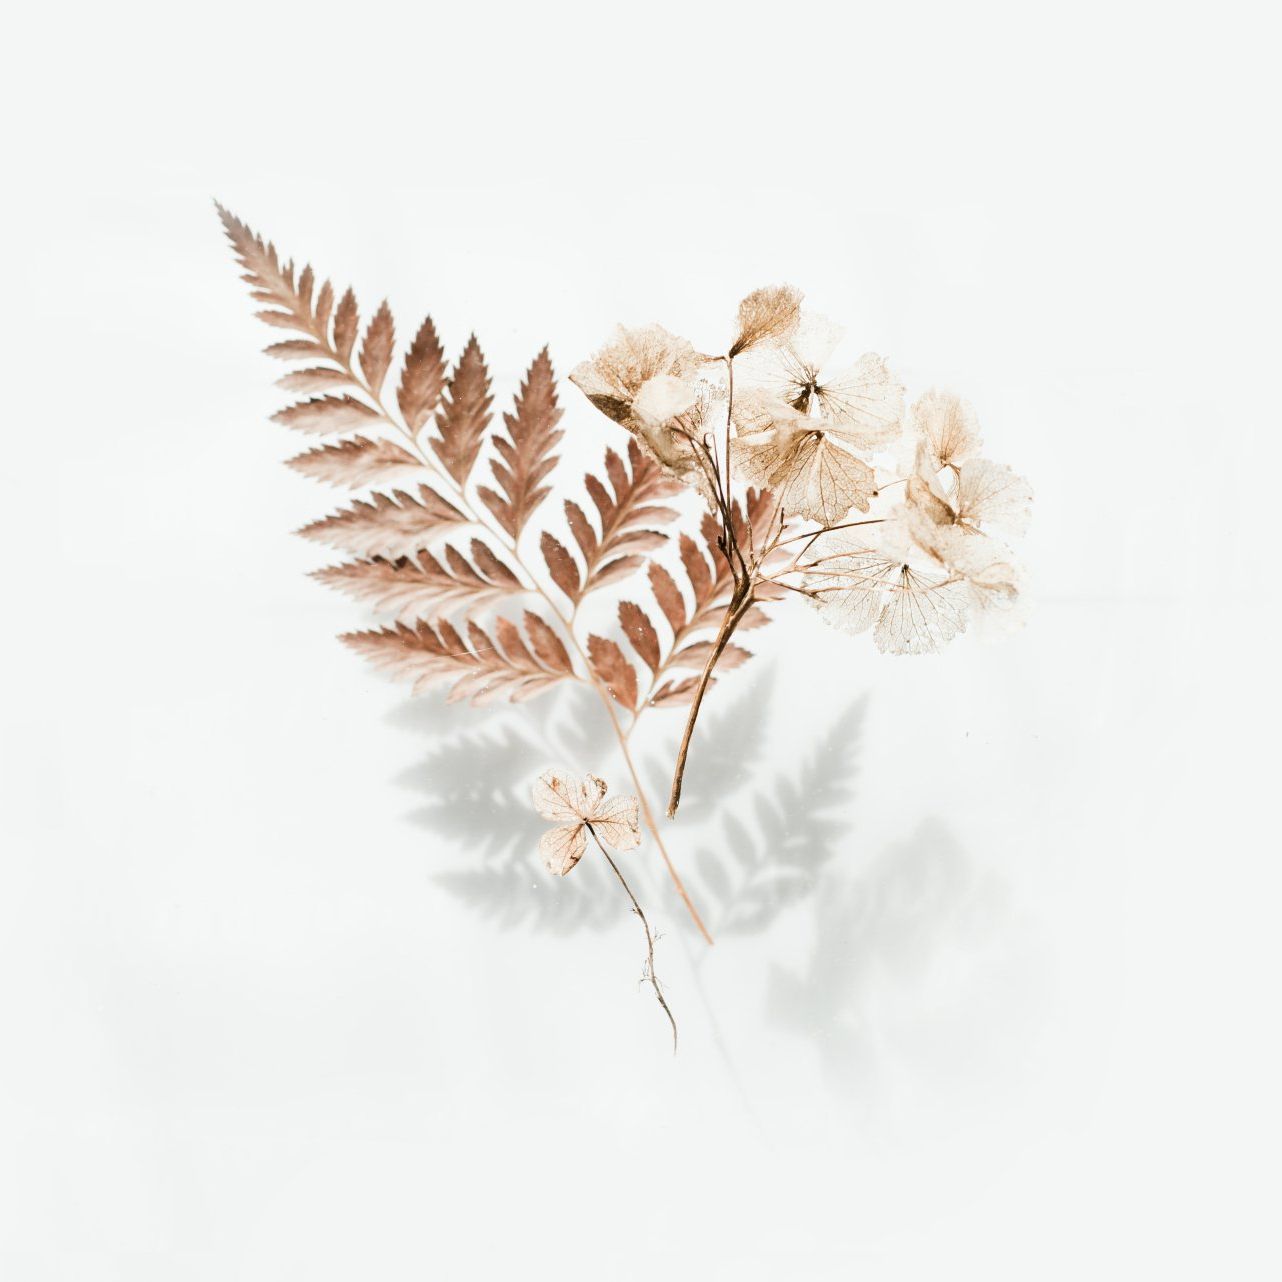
{"points": [[651, 977], [740, 604]]}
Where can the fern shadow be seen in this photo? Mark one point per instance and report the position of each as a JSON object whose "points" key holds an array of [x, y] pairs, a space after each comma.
{"points": [[750, 861], [767, 854]]}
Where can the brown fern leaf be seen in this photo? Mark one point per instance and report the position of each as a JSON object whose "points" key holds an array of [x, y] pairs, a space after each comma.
{"points": [[481, 669], [320, 378], [696, 655], [346, 323], [627, 507], [376, 350], [641, 633], [414, 587], [563, 568], [423, 378], [386, 526], [525, 453], [677, 694], [357, 463], [711, 583], [292, 302], [463, 414], [327, 415], [613, 670]]}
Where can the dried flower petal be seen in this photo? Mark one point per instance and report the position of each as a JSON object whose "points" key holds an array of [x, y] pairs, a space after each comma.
{"points": [[925, 611], [854, 585], [786, 452], [990, 494], [948, 427], [767, 316], [661, 398]]}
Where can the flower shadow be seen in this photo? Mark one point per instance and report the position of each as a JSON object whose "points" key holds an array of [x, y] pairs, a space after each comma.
{"points": [[904, 961]]}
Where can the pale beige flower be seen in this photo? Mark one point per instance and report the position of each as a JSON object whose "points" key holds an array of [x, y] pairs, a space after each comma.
{"points": [[767, 316], [577, 804], [778, 448], [993, 578], [912, 606], [992, 496], [947, 426], [862, 403], [981, 497], [647, 380]]}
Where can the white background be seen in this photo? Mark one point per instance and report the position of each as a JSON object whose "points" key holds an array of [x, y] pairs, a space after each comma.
{"points": [[1019, 1020]]}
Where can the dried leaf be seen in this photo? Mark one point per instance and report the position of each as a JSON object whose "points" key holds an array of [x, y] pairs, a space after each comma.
{"points": [[463, 414], [385, 526], [346, 322], [525, 453], [640, 633], [358, 462], [376, 350], [423, 378], [613, 671], [318, 379], [626, 507], [273, 283], [563, 568], [547, 645], [696, 656], [668, 595], [414, 587], [677, 694], [430, 654], [696, 568], [296, 349], [326, 415]]}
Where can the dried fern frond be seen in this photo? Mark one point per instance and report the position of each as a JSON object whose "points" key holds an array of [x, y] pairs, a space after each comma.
{"points": [[463, 414], [508, 665], [628, 506], [526, 457], [415, 587], [423, 378], [357, 462], [612, 669], [390, 526]]}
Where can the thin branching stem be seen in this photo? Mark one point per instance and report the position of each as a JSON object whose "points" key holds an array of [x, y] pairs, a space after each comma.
{"points": [[650, 976]]}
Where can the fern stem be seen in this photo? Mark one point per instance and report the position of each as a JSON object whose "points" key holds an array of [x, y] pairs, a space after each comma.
{"points": [[510, 545]]}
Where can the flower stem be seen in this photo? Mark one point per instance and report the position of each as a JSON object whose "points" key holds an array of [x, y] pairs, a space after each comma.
{"points": [[740, 603], [650, 976]]}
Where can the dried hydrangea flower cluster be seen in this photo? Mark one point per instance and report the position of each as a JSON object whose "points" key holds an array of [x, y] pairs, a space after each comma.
{"points": [[882, 518]]}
